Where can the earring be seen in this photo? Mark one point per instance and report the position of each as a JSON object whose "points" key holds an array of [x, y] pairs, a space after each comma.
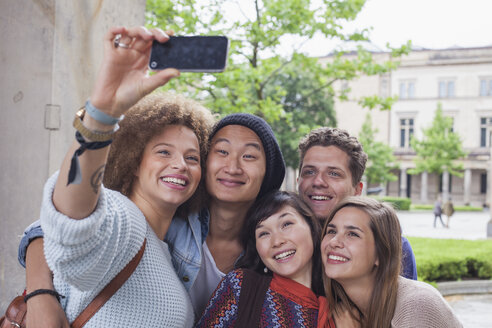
{"points": [[265, 270]]}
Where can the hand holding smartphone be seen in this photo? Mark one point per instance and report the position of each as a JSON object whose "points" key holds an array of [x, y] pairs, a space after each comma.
{"points": [[190, 54]]}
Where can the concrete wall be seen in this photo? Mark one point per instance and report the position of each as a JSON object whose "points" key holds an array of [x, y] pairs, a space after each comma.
{"points": [[49, 54]]}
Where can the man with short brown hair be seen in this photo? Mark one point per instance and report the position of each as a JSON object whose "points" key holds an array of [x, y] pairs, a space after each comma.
{"points": [[331, 167]]}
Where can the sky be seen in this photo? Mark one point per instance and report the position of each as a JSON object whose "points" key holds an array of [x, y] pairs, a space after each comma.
{"points": [[429, 23], [433, 24]]}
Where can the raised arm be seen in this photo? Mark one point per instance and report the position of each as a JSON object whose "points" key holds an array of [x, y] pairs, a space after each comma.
{"points": [[122, 81]]}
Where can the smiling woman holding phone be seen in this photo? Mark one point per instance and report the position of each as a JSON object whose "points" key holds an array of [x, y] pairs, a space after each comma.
{"points": [[151, 165]]}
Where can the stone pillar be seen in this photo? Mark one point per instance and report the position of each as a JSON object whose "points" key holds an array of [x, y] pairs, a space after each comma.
{"points": [[424, 195], [467, 186], [364, 185], [289, 183], [403, 182], [445, 186], [487, 191], [489, 199], [383, 186]]}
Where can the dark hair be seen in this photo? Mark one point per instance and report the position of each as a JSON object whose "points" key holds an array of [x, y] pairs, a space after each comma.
{"points": [[142, 122], [325, 137], [386, 229], [262, 209]]}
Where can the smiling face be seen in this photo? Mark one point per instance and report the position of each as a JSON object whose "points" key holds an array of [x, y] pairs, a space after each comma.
{"points": [[236, 165], [348, 249], [325, 179], [169, 171], [285, 245]]}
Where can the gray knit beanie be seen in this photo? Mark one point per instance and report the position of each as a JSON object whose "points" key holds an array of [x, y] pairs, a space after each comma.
{"points": [[275, 165]]}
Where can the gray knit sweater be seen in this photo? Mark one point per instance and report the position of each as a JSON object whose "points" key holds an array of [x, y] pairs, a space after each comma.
{"points": [[420, 305], [86, 254]]}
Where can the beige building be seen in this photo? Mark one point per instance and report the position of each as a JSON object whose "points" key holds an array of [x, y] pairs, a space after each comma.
{"points": [[461, 81]]}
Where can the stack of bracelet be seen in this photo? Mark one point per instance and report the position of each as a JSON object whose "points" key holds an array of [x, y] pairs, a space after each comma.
{"points": [[97, 139]]}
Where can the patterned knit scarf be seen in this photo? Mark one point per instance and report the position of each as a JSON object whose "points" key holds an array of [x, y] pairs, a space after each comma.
{"points": [[304, 296]]}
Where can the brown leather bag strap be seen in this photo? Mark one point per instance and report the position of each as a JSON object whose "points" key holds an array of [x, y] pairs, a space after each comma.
{"points": [[109, 290]]}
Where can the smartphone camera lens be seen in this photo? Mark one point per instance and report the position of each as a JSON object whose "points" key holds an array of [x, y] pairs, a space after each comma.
{"points": [[153, 64]]}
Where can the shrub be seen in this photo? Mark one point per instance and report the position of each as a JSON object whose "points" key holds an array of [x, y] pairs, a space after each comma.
{"points": [[399, 203], [452, 259]]}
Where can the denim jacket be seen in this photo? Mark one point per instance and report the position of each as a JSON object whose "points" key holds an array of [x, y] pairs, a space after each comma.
{"points": [[184, 238]]}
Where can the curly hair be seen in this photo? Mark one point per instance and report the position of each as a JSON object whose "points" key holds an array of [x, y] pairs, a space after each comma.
{"points": [[142, 122], [261, 210], [325, 137], [386, 229]]}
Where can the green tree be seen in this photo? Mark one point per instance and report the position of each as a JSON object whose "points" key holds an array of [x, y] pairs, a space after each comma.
{"points": [[439, 149], [306, 106], [258, 67], [381, 161]]}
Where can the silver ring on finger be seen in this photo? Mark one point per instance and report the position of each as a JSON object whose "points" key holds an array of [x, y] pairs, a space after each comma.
{"points": [[118, 44], [116, 41], [122, 45]]}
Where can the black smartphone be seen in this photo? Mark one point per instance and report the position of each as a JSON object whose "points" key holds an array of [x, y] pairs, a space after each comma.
{"points": [[190, 53]]}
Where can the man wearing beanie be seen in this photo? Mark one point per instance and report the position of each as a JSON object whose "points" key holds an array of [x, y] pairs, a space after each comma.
{"points": [[244, 162]]}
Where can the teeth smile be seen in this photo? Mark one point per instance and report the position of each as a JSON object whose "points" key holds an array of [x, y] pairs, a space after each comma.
{"points": [[284, 255], [175, 181], [314, 197], [337, 258]]}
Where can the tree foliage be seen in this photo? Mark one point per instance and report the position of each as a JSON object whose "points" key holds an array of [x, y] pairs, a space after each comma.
{"points": [[263, 77], [381, 161], [439, 148], [297, 88]]}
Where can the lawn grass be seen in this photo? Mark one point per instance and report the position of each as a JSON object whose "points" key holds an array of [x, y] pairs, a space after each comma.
{"points": [[458, 208], [452, 259]]}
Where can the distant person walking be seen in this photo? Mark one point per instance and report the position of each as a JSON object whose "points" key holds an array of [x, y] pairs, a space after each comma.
{"points": [[448, 210], [438, 212]]}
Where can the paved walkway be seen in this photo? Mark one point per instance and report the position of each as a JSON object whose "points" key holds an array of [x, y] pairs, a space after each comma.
{"points": [[463, 225], [473, 310]]}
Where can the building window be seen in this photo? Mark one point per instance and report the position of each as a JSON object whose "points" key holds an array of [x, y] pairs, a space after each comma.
{"points": [[483, 183], [486, 87], [406, 132], [407, 90], [446, 89], [485, 129]]}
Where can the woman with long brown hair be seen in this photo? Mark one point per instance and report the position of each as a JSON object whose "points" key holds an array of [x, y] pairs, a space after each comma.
{"points": [[361, 255]]}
